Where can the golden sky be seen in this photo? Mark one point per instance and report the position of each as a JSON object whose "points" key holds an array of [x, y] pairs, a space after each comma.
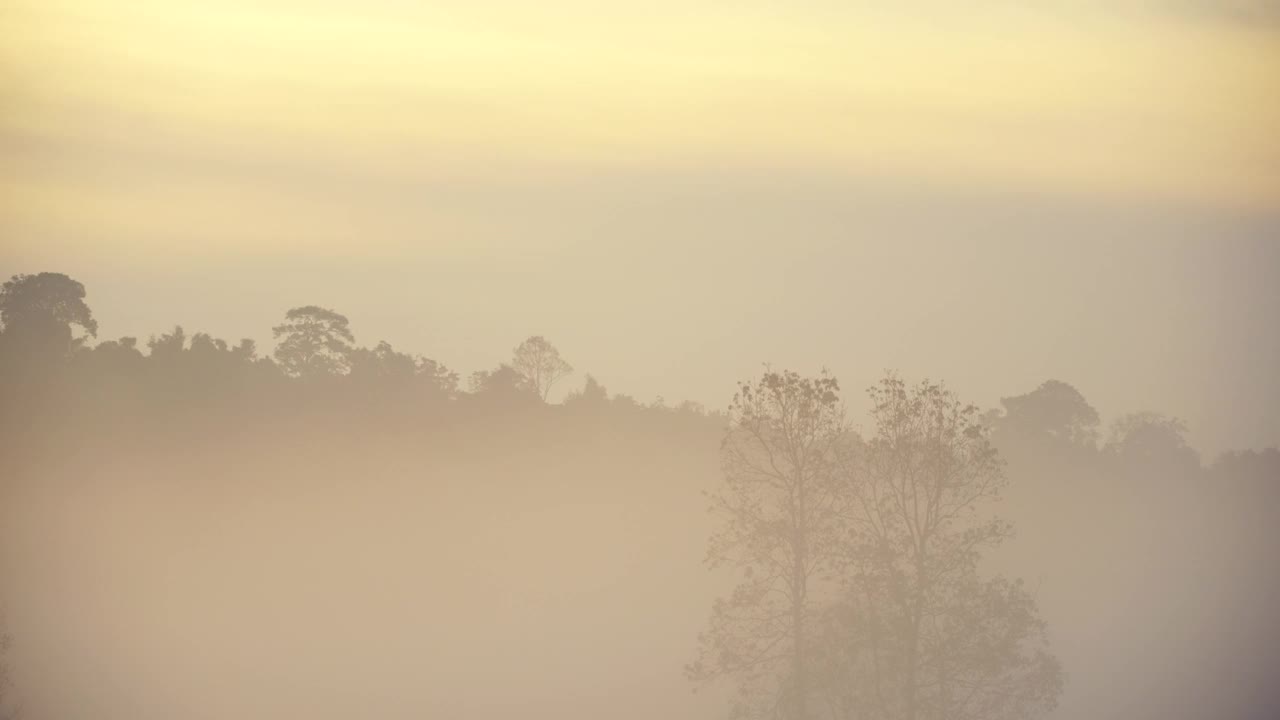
{"points": [[1139, 100]]}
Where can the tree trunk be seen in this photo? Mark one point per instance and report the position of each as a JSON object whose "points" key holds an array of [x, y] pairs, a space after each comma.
{"points": [[909, 680], [801, 681], [798, 596]]}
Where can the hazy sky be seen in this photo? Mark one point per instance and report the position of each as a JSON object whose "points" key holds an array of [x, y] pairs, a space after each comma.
{"points": [[674, 192]]}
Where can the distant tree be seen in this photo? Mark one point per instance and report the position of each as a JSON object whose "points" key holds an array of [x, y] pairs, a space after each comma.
{"points": [[438, 377], [1054, 413], [383, 367], [314, 342], [113, 357], [38, 313], [592, 395], [502, 387], [924, 636], [691, 407], [198, 365], [540, 362], [1251, 465], [623, 401], [1149, 442], [779, 505], [169, 346], [206, 344], [383, 364]]}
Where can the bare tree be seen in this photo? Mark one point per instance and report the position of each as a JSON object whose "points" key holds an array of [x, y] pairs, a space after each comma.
{"points": [[540, 362], [780, 505], [923, 635]]}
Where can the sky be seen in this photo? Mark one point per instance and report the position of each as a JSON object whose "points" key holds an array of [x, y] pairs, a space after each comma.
{"points": [[675, 192]]}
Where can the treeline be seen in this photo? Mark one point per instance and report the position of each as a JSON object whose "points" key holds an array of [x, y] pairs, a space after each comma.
{"points": [[51, 360], [1053, 431], [52, 364]]}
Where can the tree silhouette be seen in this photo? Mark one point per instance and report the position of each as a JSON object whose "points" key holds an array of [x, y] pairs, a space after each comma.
{"points": [[540, 362], [438, 377], [38, 312], [314, 342], [502, 387], [383, 369], [1054, 414], [593, 395], [382, 365], [113, 358], [927, 637], [779, 505], [1152, 444], [1259, 466], [169, 346]]}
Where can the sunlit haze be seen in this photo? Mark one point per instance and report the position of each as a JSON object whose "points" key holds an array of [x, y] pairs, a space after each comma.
{"points": [[672, 195]]}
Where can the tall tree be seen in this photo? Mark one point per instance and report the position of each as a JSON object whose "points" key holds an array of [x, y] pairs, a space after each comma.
{"points": [[314, 342], [780, 507], [38, 313], [540, 362], [929, 638]]}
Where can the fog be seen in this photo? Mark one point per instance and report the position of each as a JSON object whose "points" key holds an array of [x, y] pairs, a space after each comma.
{"points": [[818, 361], [190, 532]]}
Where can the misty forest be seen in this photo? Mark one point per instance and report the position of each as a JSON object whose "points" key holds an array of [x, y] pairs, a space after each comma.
{"points": [[197, 527]]}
